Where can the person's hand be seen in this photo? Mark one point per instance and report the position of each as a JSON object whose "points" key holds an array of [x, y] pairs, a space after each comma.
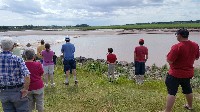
{"points": [[24, 92]]}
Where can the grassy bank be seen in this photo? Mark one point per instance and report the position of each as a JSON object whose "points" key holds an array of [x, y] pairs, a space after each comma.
{"points": [[145, 26], [95, 94]]}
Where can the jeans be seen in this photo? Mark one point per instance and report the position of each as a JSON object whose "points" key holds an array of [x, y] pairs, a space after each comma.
{"points": [[12, 102]]}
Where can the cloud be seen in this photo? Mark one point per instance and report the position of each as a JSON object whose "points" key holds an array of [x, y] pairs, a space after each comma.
{"points": [[22, 6], [99, 12]]}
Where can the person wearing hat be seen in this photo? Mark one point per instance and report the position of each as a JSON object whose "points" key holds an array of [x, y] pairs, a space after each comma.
{"points": [[181, 58], [39, 50], [140, 57], [68, 50], [14, 81]]}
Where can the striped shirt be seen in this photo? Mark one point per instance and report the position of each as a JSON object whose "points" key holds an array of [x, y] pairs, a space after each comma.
{"points": [[12, 69]]}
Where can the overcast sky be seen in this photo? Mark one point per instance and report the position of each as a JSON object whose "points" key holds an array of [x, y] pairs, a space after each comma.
{"points": [[96, 12]]}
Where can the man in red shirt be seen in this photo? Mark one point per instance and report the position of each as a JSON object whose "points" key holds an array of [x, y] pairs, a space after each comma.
{"points": [[111, 60], [181, 59], [140, 57]]}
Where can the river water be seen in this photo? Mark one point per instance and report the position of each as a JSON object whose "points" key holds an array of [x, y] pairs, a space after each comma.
{"points": [[95, 46]]}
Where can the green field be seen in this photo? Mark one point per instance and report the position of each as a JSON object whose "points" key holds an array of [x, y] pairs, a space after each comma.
{"points": [[95, 94], [145, 26]]}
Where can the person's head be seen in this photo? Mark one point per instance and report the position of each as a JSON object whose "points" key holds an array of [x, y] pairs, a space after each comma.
{"points": [[7, 45], [15, 44], [110, 50], [67, 39], [29, 54], [28, 45], [42, 42], [141, 41], [182, 34], [47, 46]]}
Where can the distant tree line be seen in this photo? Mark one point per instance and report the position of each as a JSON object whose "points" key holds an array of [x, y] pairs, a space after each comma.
{"points": [[31, 27], [174, 24], [171, 22]]}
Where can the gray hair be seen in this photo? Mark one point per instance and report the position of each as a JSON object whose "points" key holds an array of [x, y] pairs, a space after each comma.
{"points": [[29, 54], [7, 45]]}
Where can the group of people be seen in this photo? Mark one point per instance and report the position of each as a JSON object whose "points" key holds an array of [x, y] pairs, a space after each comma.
{"points": [[181, 58], [21, 84], [22, 87], [140, 57]]}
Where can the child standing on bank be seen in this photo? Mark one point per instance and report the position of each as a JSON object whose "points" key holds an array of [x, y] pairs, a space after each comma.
{"points": [[111, 60]]}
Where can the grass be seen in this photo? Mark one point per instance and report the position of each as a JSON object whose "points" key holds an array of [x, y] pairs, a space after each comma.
{"points": [[95, 94], [143, 26]]}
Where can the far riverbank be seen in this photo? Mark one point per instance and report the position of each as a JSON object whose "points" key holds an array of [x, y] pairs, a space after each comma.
{"points": [[79, 33]]}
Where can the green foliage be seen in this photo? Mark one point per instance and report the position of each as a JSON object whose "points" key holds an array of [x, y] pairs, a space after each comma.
{"points": [[95, 66], [195, 82]]}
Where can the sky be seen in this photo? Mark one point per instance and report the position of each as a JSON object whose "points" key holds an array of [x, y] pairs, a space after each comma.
{"points": [[96, 12]]}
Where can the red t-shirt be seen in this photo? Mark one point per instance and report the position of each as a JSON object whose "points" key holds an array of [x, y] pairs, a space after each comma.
{"points": [[111, 58], [36, 70], [141, 52], [182, 56]]}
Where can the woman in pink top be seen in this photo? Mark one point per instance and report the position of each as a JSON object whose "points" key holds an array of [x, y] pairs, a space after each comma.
{"points": [[48, 64], [36, 87]]}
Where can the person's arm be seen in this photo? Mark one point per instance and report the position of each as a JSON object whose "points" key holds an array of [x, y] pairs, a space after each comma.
{"points": [[134, 56], [115, 60], [62, 50], [147, 54], [25, 88], [41, 71], [146, 57], [170, 62], [38, 51], [26, 74], [108, 62], [74, 49], [172, 55], [198, 54]]}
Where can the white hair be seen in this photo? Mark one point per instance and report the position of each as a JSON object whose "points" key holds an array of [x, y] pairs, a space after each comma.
{"points": [[7, 44]]}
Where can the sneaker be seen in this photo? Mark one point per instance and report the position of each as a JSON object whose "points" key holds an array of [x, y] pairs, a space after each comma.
{"points": [[53, 85], [76, 82], [66, 83], [45, 85]]}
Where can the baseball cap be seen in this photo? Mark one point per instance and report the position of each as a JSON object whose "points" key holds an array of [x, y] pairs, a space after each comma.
{"points": [[141, 40], [67, 38], [182, 32]]}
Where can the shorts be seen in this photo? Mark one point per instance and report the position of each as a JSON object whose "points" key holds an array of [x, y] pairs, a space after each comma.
{"points": [[69, 64], [49, 69], [111, 69], [173, 83], [139, 68]]}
